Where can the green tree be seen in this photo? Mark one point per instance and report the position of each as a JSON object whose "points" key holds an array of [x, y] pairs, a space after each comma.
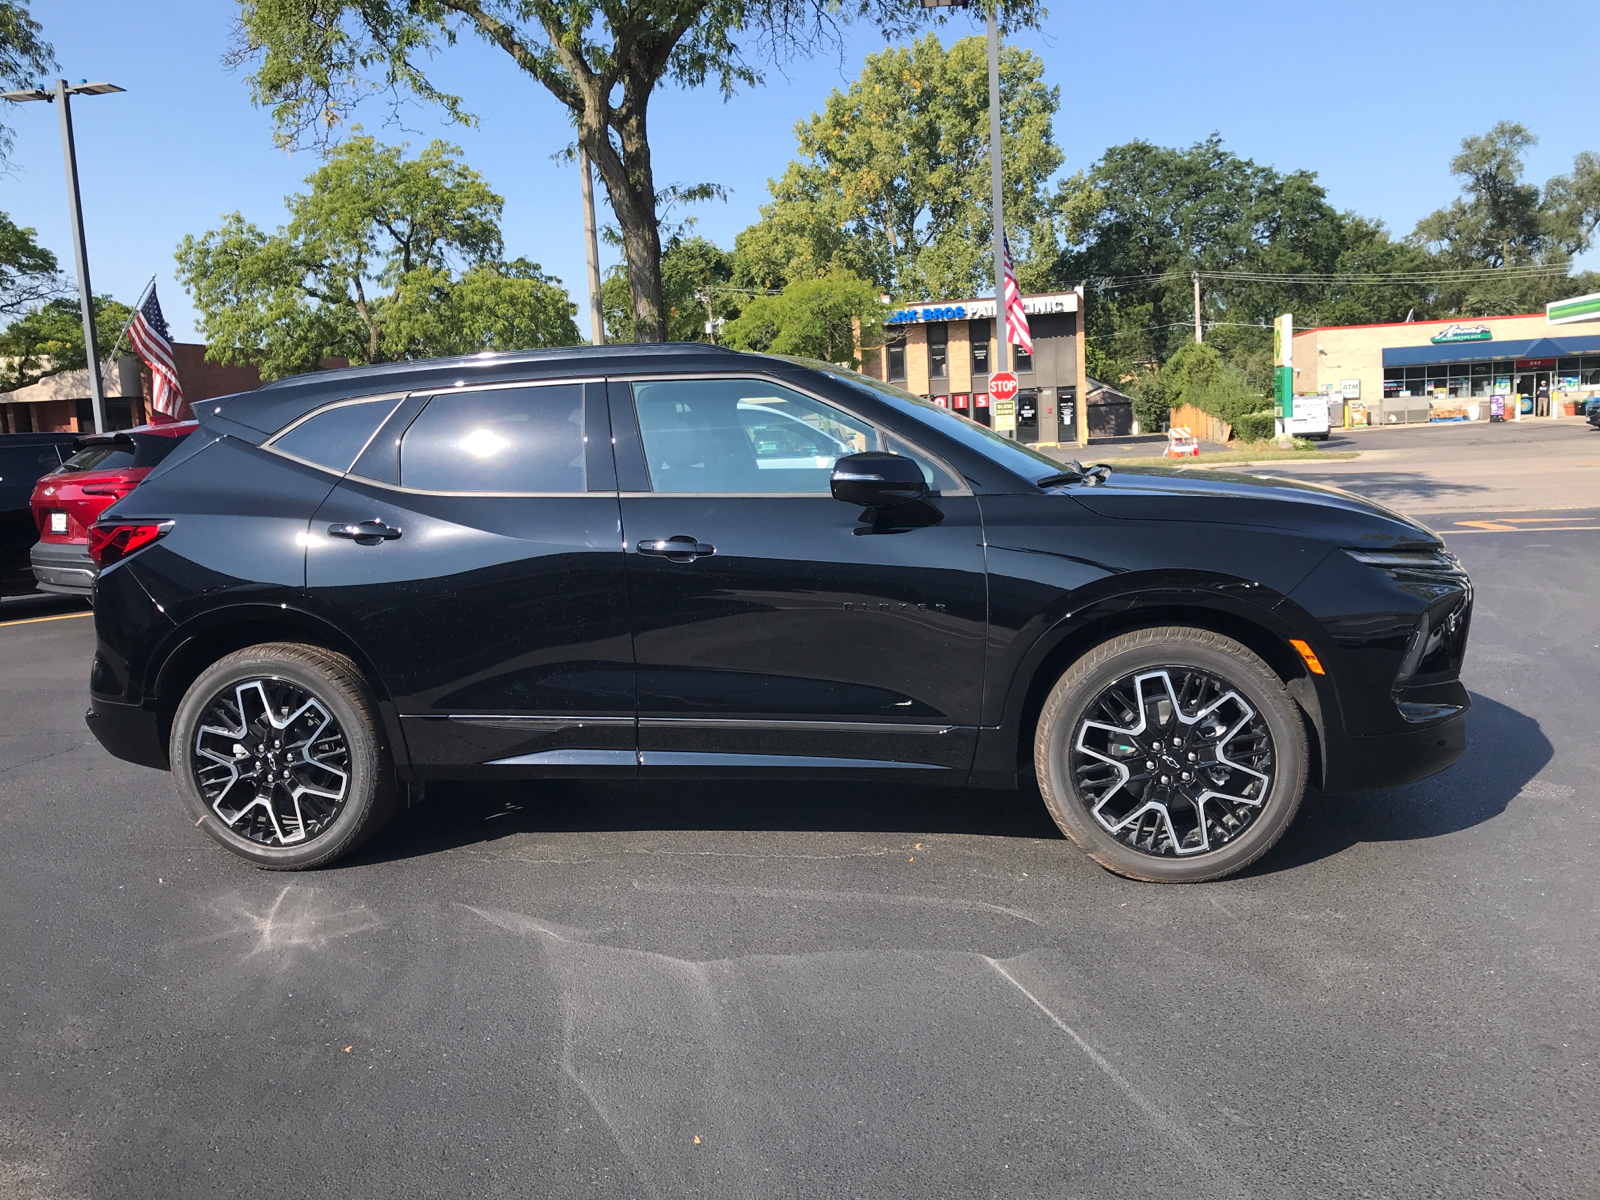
{"points": [[385, 258], [1140, 220], [695, 278], [823, 318], [28, 272], [602, 61], [49, 339], [1526, 234], [893, 179], [25, 57]]}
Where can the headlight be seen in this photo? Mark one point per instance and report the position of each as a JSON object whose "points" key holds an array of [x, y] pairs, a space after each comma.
{"points": [[1437, 560]]}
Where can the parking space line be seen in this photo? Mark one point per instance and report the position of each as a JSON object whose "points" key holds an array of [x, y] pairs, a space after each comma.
{"points": [[1491, 527], [36, 620]]}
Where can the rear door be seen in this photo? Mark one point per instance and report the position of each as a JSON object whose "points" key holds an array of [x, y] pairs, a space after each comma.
{"points": [[776, 629], [20, 468], [474, 552]]}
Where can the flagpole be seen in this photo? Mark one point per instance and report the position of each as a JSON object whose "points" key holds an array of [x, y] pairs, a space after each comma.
{"points": [[128, 324]]}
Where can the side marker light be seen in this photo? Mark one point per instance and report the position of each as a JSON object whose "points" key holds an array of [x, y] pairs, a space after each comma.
{"points": [[1313, 663]]}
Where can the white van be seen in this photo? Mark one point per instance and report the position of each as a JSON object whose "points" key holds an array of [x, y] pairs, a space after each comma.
{"points": [[1310, 418]]}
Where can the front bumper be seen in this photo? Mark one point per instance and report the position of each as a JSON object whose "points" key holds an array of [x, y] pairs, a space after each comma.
{"points": [[63, 567], [1359, 764], [129, 731]]}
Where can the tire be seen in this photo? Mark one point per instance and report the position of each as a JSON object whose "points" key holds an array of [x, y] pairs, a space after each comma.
{"points": [[1097, 761], [329, 778]]}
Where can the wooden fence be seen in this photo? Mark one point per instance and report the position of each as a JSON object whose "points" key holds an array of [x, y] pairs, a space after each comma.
{"points": [[1203, 425]]}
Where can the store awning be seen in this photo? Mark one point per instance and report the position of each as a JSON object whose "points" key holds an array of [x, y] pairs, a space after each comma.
{"points": [[1545, 347]]}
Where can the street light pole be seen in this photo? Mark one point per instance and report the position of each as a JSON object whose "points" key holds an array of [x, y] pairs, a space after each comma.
{"points": [[1001, 358], [80, 250], [591, 251]]}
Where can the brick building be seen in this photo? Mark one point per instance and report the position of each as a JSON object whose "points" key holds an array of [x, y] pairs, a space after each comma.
{"points": [[943, 350], [60, 403]]}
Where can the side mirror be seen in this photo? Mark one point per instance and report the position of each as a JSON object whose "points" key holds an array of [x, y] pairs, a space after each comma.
{"points": [[878, 479]]}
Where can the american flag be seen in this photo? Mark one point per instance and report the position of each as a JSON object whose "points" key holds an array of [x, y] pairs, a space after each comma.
{"points": [[153, 343], [1016, 320]]}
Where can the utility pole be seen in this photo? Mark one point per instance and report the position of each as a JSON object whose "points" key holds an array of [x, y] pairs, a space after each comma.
{"points": [[80, 250], [1001, 357], [1195, 275], [591, 249]]}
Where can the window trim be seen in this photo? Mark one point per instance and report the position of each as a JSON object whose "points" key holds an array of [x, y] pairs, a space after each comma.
{"points": [[963, 489], [430, 393]]}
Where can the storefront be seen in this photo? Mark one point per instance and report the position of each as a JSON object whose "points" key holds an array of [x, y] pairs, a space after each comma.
{"points": [[1451, 370], [945, 350]]}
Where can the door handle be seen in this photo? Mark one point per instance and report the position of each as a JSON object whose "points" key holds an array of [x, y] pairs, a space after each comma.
{"points": [[364, 533], [680, 548]]}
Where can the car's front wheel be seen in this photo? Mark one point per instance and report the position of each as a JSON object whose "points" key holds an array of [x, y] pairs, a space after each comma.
{"points": [[1173, 755], [278, 753]]}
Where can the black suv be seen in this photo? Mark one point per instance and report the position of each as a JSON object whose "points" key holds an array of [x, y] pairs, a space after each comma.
{"points": [[674, 561], [24, 457]]}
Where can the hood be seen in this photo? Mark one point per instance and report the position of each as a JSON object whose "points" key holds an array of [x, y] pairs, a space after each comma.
{"points": [[1259, 501]]}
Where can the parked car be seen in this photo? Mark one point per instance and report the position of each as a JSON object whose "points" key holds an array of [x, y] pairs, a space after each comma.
{"points": [[23, 458], [66, 502], [574, 563], [1593, 412]]}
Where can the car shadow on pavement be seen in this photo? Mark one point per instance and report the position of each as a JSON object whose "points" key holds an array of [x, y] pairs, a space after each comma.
{"points": [[462, 814], [1381, 485], [1506, 749]]}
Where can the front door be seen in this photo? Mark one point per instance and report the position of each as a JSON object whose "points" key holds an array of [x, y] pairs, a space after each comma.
{"points": [[776, 629], [473, 553]]}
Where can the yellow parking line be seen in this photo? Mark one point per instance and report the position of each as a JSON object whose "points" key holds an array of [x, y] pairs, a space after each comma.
{"points": [[1491, 527], [36, 620]]}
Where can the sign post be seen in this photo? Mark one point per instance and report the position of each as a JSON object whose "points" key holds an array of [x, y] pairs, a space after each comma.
{"points": [[1283, 370]]}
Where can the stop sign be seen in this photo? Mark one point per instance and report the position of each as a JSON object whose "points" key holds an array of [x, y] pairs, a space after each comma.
{"points": [[1003, 385]]}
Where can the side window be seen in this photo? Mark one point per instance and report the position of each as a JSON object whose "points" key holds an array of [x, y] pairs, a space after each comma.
{"points": [[525, 439], [940, 480], [335, 436], [742, 435]]}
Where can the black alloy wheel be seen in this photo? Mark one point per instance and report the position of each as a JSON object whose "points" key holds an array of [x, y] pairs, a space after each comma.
{"points": [[1171, 755], [277, 752]]}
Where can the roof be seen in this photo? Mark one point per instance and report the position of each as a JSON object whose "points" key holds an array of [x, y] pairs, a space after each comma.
{"points": [[116, 382], [273, 405]]}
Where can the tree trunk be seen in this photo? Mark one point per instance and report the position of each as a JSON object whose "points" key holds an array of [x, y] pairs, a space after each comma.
{"points": [[630, 185]]}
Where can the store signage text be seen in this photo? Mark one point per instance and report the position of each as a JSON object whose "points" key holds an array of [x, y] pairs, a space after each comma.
{"points": [[902, 315], [1462, 333]]}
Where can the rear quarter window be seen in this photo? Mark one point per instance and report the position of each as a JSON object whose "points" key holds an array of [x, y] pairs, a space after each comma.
{"points": [[524, 439], [22, 465], [334, 437]]}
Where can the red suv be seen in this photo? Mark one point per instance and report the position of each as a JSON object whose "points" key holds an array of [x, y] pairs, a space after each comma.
{"points": [[67, 501]]}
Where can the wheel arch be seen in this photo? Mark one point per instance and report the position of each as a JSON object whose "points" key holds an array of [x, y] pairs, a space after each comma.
{"points": [[1258, 631], [202, 642]]}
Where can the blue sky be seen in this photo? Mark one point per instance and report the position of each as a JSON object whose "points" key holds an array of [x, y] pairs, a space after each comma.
{"points": [[1374, 97]]}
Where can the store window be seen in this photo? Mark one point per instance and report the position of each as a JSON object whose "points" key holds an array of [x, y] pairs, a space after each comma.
{"points": [[897, 357], [1024, 360], [980, 332], [1589, 371], [938, 350]]}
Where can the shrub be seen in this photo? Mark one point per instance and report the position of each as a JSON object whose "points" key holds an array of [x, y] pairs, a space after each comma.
{"points": [[1254, 427]]}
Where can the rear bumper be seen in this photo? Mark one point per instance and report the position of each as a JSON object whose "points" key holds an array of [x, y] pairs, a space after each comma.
{"points": [[129, 731], [1359, 764], [63, 567]]}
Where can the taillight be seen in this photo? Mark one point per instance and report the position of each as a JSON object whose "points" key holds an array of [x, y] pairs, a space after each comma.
{"points": [[111, 543], [117, 489]]}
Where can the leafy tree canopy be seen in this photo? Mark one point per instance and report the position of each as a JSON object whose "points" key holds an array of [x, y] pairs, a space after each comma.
{"points": [[384, 258], [1499, 221], [893, 179], [824, 318], [25, 57], [601, 59], [50, 338], [28, 271]]}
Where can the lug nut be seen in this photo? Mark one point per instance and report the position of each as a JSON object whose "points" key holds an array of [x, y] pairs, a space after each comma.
{"points": [[1149, 766], [1166, 779], [1191, 756], [1186, 777], [1177, 741]]}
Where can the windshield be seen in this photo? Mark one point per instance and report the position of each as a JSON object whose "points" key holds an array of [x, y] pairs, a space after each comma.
{"points": [[1012, 455]]}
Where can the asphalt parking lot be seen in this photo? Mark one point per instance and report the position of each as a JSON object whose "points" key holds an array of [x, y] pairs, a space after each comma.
{"points": [[586, 990]]}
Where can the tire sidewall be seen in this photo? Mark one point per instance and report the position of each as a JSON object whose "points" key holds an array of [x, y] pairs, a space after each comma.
{"points": [[353, 714], [1180, 648]]}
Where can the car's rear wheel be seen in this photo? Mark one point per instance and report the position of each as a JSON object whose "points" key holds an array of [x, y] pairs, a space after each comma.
{"points": [[279, 755], [1173, 755]]}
